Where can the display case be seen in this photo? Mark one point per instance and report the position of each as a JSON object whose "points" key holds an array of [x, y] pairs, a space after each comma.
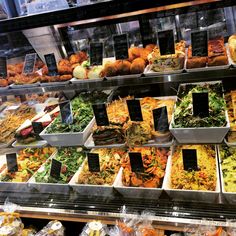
{"points": [[106, 104]]}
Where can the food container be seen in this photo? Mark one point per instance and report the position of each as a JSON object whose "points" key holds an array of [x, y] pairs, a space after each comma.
{"points": [[36, 144], [136, 192], [149, 72], [190, 195], [55, 83], [67, 139], [230, 196], [92, 190], [200, 134], [47, 187]]}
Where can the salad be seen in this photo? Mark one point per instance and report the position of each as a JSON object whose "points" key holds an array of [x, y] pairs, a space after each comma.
{"points": [[71, 159], [29, 161]]}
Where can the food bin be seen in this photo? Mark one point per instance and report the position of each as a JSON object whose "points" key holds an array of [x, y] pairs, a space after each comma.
{"points": [[190, 195], [92, 190], [67, 139], [230, 196], [47, 187], [200, 134], [136, 192]]}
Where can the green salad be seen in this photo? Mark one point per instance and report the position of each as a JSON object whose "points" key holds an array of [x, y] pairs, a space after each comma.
{"points": [[82, 113], [183, 115], [71, 159]]}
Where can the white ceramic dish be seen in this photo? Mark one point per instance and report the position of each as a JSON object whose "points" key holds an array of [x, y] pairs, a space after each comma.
{"points": [[36, 144]]}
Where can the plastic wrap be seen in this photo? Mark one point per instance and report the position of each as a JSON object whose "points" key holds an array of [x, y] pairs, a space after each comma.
{"points": [[95, 228], [53, 228]]}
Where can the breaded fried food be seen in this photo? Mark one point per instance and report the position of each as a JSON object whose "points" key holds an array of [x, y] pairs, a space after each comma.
{"points": [[137, 66], [110, 69], [123, 67]]}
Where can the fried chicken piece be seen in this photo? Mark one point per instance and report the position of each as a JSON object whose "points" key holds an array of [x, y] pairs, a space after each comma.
{"points": [[3, 82], [74, 58], [65, 77]]}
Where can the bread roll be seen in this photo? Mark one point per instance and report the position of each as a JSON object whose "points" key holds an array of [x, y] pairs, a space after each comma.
{"points": [[123, 67], [137, 66], [232, 47]]}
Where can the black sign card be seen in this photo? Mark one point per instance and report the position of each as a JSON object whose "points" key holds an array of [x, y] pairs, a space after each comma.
{"points": [[93, 162], [37, 127], [66, 112], [200, 104], [136, 161], [166, 42], [146, 31], [29, 63], [4, 98], [96, 53], [135, 111], [121, 46], [190, 159], [55, 170], [100, 113], [22, 98], [199, 41], [3, 67], [12, 162], [51, 64], [160, 118]]}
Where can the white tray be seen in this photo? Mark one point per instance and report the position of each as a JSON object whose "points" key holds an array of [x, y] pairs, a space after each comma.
{"points": [[55, 83], [90, 144], [190, 195], [67, 139], [200, 134], [4, 88], [230, 196], [91, 190], [149, 72], [153, 143], [229, 144], [36, 144], [80, 81], [5, 145], [124, 76], [24, 85], [136, 192]]}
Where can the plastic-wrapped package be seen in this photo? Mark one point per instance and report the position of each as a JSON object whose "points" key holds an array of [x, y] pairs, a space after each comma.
{"points": [[10, 222], [53, 228], [95, 228]]}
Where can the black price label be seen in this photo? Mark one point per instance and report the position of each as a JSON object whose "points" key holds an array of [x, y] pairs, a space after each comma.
{"points": [[136, 161], [66, 112], [51, 64], [55, 170], [146, 31], [190, 159], [199, 44], [93, 162], [37, 127], [100, 113], [200, 104], [166, 42], [160, 117], [12, 162], [3, 67], [22, 98], [29, 63], [96, 53], [121, 46], [135, 111], [4, 98]]}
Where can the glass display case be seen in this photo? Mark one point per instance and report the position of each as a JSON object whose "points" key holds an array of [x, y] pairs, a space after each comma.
{"points": [[120, 111]]}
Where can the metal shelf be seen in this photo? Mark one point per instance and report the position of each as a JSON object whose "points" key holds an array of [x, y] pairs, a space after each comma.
{"points": [[111, 83], [107, 11]]}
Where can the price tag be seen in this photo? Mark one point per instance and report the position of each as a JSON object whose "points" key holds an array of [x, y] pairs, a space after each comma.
{"points": [[3, 67], [55, 170], [121, 46], [200, 104], [146, 31], [166, 42], [51, 64], [21, 97], [37, 127], [29, 63], [190, 159], [93, 162], [160, 118], [66, 112], [199, 41], [100, 113], [4, 98], [12, 162], [136, 162], [135, 111], [96, 53]]}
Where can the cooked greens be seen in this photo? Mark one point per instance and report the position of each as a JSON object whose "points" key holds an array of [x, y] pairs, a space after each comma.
{"points": [[71, 159], [183, 115]]}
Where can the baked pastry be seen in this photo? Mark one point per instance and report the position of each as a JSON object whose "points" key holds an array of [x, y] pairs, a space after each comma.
{"points": [[137, 66], [195, 62], [232, 47], [123, 67]]}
